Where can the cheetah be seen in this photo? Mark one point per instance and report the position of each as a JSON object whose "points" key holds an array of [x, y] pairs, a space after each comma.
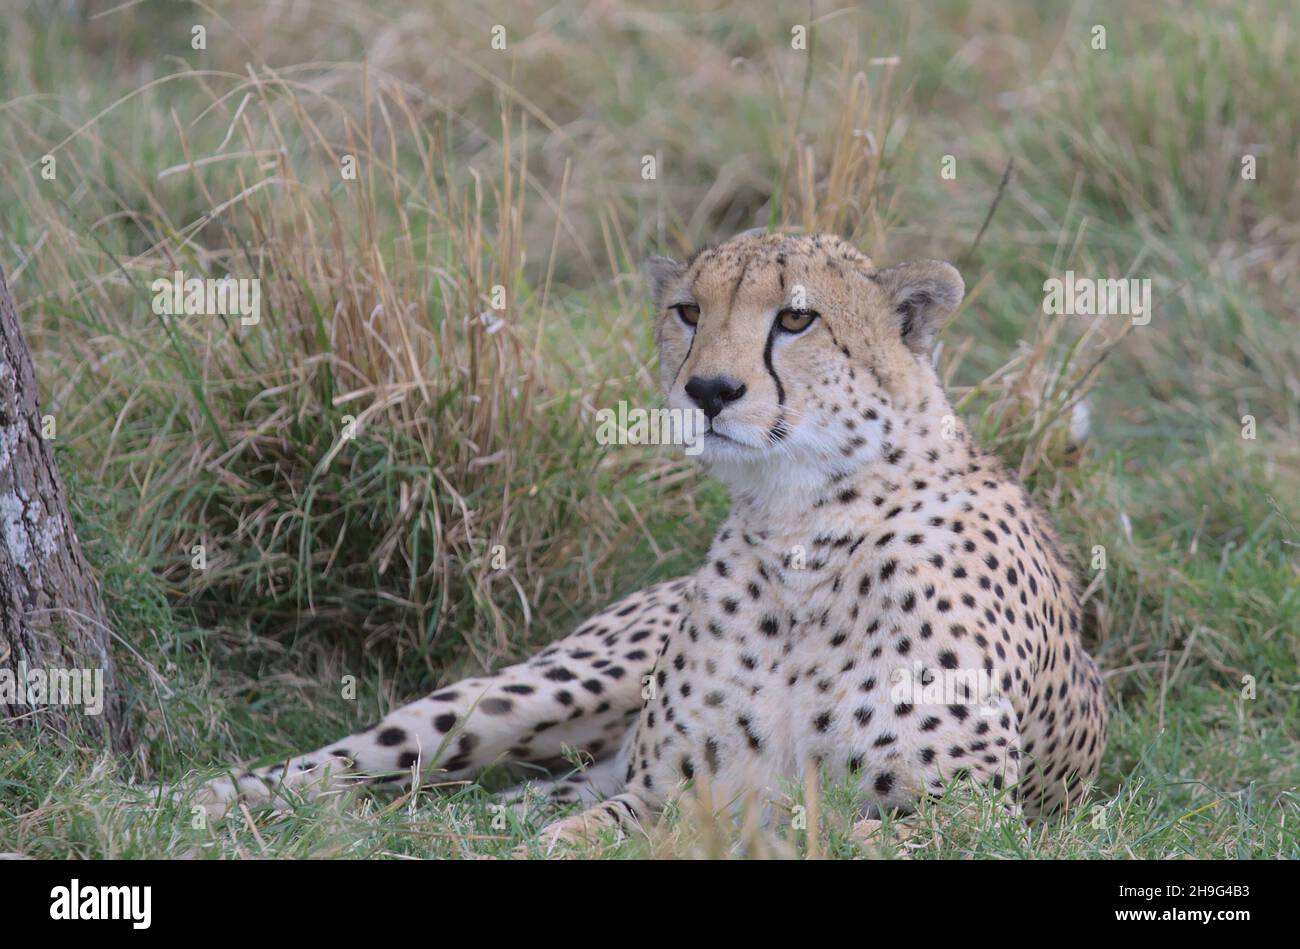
{"points": [[884, 601]]}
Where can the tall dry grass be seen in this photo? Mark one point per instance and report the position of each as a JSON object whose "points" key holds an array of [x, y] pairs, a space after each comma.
{"points": [[402, 449], [401, 453]]}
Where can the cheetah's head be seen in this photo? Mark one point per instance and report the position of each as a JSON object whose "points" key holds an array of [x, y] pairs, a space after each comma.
{"points": [[797, 349]]}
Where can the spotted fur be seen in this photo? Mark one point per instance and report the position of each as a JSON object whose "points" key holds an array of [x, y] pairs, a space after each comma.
{"points": [[872, 549]]}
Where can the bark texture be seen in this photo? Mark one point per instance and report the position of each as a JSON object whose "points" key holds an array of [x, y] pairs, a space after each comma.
{"points": [[52, 621]]}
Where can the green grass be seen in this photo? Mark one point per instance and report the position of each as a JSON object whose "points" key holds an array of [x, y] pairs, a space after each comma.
{"points": [[522, 169]]}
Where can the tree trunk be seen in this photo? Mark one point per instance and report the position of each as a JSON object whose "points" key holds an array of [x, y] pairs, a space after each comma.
{"points": [[56, 671]]}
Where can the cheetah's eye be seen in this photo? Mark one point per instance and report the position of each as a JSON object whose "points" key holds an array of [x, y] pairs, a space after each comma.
{"points": [[795, 321], [688, 313]]}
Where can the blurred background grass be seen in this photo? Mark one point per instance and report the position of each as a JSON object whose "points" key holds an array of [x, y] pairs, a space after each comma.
{"points": [[521, 169]]}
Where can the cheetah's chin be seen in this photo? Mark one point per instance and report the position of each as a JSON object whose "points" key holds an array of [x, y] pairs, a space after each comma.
{"points": [[726, 446]]}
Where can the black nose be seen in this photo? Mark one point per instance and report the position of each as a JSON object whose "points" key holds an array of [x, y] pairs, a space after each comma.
{"points": [[712, 394]]}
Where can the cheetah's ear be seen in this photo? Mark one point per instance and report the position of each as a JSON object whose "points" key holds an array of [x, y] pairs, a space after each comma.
{"points": [[660, 273], [923, 294]]}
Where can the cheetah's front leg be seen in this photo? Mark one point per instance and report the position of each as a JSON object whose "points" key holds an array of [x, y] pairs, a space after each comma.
{"points": [[624, 814], [581, 693]]}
